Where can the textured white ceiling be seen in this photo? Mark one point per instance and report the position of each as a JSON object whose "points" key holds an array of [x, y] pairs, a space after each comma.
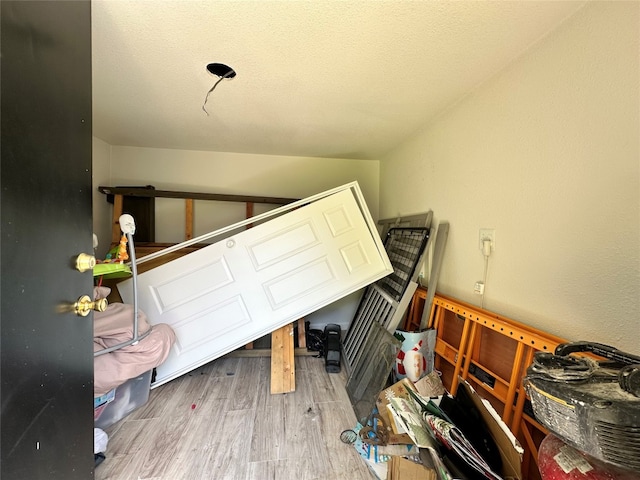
{"points": [[322, 78]]}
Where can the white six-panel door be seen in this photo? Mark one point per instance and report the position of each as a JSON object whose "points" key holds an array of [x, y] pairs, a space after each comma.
{"points": [[243, 287]]}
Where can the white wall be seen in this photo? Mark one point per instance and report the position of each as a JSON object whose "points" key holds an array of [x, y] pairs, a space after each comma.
{"points": [[234, 173], [101, 163], [547, 154]]}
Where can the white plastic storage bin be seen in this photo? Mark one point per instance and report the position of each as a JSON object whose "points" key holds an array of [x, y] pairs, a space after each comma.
{"points": [[129, 396]]}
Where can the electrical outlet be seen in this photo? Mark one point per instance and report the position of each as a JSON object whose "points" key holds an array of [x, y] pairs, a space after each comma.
{"points": [[478, 288], [488, 234]]}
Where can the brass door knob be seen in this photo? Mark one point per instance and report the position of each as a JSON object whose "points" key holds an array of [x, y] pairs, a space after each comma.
{"points": [[84, 305], [85, 262]]}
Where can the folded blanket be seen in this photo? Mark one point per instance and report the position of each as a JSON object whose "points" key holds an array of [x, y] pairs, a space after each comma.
{"points": [[117, 320], [115, 326]]}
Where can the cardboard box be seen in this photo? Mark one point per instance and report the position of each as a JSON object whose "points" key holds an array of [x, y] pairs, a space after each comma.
{"points": [[399, 468], [510, 450]]}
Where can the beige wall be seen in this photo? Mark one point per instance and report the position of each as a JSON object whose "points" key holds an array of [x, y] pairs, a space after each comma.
{"points": [[101, 175], [228, 173], [232, 173], [215, 172], [547, 154]]}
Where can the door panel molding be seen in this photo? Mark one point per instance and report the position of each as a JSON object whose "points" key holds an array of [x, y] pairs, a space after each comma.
{"points": [[274, 273]]}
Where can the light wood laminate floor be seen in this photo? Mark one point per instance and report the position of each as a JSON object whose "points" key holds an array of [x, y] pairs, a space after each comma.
{"points": [[221, 422]]}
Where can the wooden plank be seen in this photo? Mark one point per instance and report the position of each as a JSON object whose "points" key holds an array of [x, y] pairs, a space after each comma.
{"points": [[289, 370], [282, 360], [188, 227], [115, 224], [532, 447], [249, 213], [302, 334], [460, 357], [519, 408], [266, 352], [514, 382], [144, 192], [469, 352], [277, 361]]}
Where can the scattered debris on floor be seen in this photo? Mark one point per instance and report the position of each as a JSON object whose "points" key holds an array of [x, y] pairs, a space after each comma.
{"points": [[419, 431]]}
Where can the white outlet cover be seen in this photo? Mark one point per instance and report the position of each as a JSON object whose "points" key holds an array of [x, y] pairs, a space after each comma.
{"points": [[489, 233]]}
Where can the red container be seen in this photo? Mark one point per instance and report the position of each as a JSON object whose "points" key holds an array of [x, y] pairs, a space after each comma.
{"points": [[559, 461]]}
